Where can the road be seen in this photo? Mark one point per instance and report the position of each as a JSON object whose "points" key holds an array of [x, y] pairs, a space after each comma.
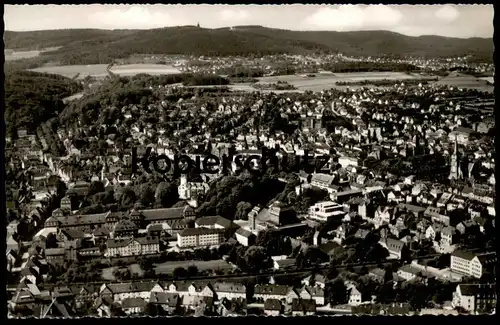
{"points": [[246, 276]]}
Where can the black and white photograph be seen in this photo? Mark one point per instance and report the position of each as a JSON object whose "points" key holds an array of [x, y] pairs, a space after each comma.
{"points": [[225, 160]]}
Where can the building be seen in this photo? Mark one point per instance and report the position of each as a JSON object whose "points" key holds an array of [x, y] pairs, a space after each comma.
{"points": [[302, 307], [133, 305], [324, 211], [394, 246], [198, 237], [264, 292], [455, 170], [315, 293], [322, 181], [120, 291], [475, 297], [229, 291], [245, 237], [470, 264], [354, 296], [123, 247], [273, 307]]}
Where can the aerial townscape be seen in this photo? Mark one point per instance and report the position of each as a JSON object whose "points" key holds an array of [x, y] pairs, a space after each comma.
{"points": [[192, 171]]}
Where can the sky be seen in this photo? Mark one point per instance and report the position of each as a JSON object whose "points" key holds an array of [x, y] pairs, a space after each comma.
{"points": [[461, 21]]}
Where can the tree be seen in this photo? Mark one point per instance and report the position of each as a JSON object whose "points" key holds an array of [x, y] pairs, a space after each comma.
{"points": [[179, 272], [336, 292], [51, 241], [242, 210], [147, 195], [332, 272], [255, 258], [95, 187], [192, 270]]}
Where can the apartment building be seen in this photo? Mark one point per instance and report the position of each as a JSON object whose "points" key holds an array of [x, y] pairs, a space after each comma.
{"points": [[467, 263], [475, 297], [199, 237], [132, 246]]}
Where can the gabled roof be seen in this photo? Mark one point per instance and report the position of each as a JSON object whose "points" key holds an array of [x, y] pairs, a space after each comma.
{"points": [[133, 303], [463, 254], [272, 304], [302, 305], [271, 289], [164, 298]]}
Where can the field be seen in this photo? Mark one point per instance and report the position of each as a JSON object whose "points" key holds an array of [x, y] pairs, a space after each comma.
{"points": [[169, 267], [466, 82], [99, 70], [12, 55], [327, 80], [107, 273]]}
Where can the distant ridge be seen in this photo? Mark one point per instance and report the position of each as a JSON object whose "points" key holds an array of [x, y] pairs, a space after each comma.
{"points": [[87, 46]]}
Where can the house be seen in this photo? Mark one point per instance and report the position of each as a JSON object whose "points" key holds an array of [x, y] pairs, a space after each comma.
{"points": [[322, 181], [394, 246], [475, 297], [302, 307], [120, 291], [229, 290], [133, 305], [315, 293], [234, 307], [273, 307], [103, 306], [284, 264], [316, 280], [354, 296], [409, 272], [245, 237], [432, 231], [264, 292], [169, 301], [468, 263]]}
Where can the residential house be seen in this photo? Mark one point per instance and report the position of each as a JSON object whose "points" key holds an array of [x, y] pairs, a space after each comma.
{"points": [[264, 292], [169, 301], [245, 237], [120, 291], [354, 296], [394, 246], [229, 290], [317, 280], [284, 264], [273, 307], [133, 305], [475, 297], [325, 211], [302, 307], [315, 293]]}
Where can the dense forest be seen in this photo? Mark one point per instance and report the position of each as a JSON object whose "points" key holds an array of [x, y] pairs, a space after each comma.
{"points": [[97, 46], [32, 98]]}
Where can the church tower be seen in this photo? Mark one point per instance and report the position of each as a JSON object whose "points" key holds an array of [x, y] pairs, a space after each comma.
{"points": [[455, 170]]}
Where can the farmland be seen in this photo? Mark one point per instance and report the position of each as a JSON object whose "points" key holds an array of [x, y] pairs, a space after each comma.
{"points": [[169, 267], [99, 70], [11, 55]]}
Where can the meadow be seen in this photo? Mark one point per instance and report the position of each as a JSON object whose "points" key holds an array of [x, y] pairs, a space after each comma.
{"points": [[169, 267]]}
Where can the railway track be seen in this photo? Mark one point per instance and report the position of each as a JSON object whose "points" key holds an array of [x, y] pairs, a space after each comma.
{"points": [[250, 275]]}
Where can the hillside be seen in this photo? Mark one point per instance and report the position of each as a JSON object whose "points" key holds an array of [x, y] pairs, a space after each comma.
{"points": [[101, 46]]}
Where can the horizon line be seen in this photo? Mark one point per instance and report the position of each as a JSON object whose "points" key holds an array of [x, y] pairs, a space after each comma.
{"points": [[240, 26]]}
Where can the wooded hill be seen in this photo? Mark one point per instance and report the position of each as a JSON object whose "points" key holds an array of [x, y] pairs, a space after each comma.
{"points": [[91, 46]]}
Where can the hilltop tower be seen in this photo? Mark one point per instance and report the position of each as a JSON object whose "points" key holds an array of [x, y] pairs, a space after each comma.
{"points": [[455, 170]]}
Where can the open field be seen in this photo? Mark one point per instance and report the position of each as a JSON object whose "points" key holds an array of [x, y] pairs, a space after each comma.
{"points": [[94, 70], [13, 55], [169, 267], [107, 273], [99, 70], [466, 82], [152, 69]]}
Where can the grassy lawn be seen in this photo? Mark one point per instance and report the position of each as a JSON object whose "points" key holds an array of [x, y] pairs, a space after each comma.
{"points": [[169, 267], [107, 273]]}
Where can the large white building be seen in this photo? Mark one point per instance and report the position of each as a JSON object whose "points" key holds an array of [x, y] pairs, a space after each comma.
{"points": [[475, 297], [199, 237], [132, 246], [467, 263], [323, 211]]}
